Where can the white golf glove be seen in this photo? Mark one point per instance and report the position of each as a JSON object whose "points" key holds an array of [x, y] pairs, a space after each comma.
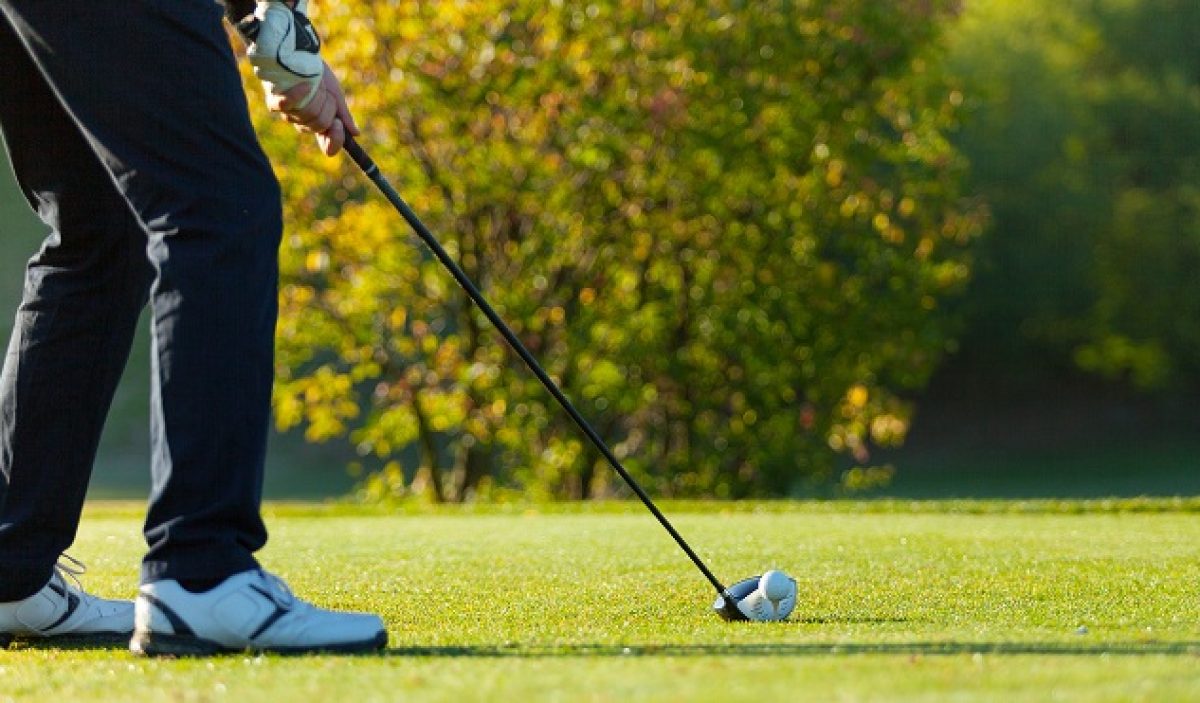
{"points": [[284, 48]]}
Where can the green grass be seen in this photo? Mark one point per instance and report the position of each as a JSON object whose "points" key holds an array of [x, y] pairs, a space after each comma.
{"points": [[900, 601]]}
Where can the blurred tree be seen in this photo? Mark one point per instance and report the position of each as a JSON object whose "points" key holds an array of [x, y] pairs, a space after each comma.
{"points": [[1085, 140], [726, 228]]}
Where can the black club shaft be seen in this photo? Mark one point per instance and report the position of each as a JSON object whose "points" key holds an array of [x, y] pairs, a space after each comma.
{"points": [[368, 166]]}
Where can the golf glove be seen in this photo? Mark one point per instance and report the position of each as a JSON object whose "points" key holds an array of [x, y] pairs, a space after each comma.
{"points": [[284, 47]]}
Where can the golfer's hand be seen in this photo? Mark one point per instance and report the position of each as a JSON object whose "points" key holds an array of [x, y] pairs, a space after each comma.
{"points": [[326, 114], [284, 49]]}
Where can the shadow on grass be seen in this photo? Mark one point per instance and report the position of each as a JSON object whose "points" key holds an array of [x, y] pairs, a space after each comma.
{"points": [[67, 643], [518, 651], [852, 621], [804, 650]]}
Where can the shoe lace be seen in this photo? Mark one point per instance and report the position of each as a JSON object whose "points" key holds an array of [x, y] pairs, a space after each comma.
{"points": [[70, 567]]}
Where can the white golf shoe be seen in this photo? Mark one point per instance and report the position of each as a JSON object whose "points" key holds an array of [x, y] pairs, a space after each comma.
{"points": [[253, 610], [63, 609]]}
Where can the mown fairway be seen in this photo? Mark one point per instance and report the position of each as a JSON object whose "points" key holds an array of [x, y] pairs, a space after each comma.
{"points": [[969, 601]]}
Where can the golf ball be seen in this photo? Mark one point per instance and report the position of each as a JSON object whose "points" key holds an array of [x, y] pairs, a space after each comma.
{"points": [[775, 585]]}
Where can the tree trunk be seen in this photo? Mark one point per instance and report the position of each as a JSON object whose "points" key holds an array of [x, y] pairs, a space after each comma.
{"points": [[476, 463], [585, 481], [429, 476], [471, 464]]}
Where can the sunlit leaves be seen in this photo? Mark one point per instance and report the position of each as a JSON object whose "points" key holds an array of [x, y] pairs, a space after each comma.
{"points": [[723, 227]]}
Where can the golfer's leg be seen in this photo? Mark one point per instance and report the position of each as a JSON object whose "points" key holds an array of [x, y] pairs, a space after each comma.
{"points": [[154, 85], [71, 338]]}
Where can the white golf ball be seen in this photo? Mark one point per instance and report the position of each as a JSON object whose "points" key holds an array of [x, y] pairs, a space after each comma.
{"points": [[775, 585]]}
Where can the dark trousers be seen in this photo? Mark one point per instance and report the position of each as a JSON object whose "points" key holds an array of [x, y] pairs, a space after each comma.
{"points": [[128, 130]]}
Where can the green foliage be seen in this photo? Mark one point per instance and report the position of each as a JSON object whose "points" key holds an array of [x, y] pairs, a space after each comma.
{"points": [[1086, 142], [727, 229]]}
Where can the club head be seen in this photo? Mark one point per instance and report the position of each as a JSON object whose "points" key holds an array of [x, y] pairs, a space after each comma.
{"points": [[745, 601]]}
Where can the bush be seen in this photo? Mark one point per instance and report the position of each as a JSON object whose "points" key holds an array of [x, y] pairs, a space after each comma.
{"points": [[726, 228]]}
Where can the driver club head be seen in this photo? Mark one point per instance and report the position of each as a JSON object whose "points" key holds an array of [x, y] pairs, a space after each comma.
{"points": [[770, 597]]}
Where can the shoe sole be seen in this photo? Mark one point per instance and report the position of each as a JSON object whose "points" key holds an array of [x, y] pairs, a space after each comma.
{"points": [[149, 644], [69, 639]]}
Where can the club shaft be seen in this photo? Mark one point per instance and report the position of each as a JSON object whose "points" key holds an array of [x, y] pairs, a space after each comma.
{"points": [[368, 166]]}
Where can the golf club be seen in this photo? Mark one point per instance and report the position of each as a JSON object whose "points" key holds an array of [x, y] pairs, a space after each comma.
{"points": [[728, 600]]}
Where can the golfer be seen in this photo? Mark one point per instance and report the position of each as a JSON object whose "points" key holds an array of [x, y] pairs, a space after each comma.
{"points": [[128, 130]]}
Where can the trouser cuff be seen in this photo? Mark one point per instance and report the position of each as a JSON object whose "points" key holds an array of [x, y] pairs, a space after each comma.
{"points": [[19, 581], [199, 563]]}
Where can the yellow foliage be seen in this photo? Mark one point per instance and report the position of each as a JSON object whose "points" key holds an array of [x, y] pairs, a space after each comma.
{"points": [[688, 211]]}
